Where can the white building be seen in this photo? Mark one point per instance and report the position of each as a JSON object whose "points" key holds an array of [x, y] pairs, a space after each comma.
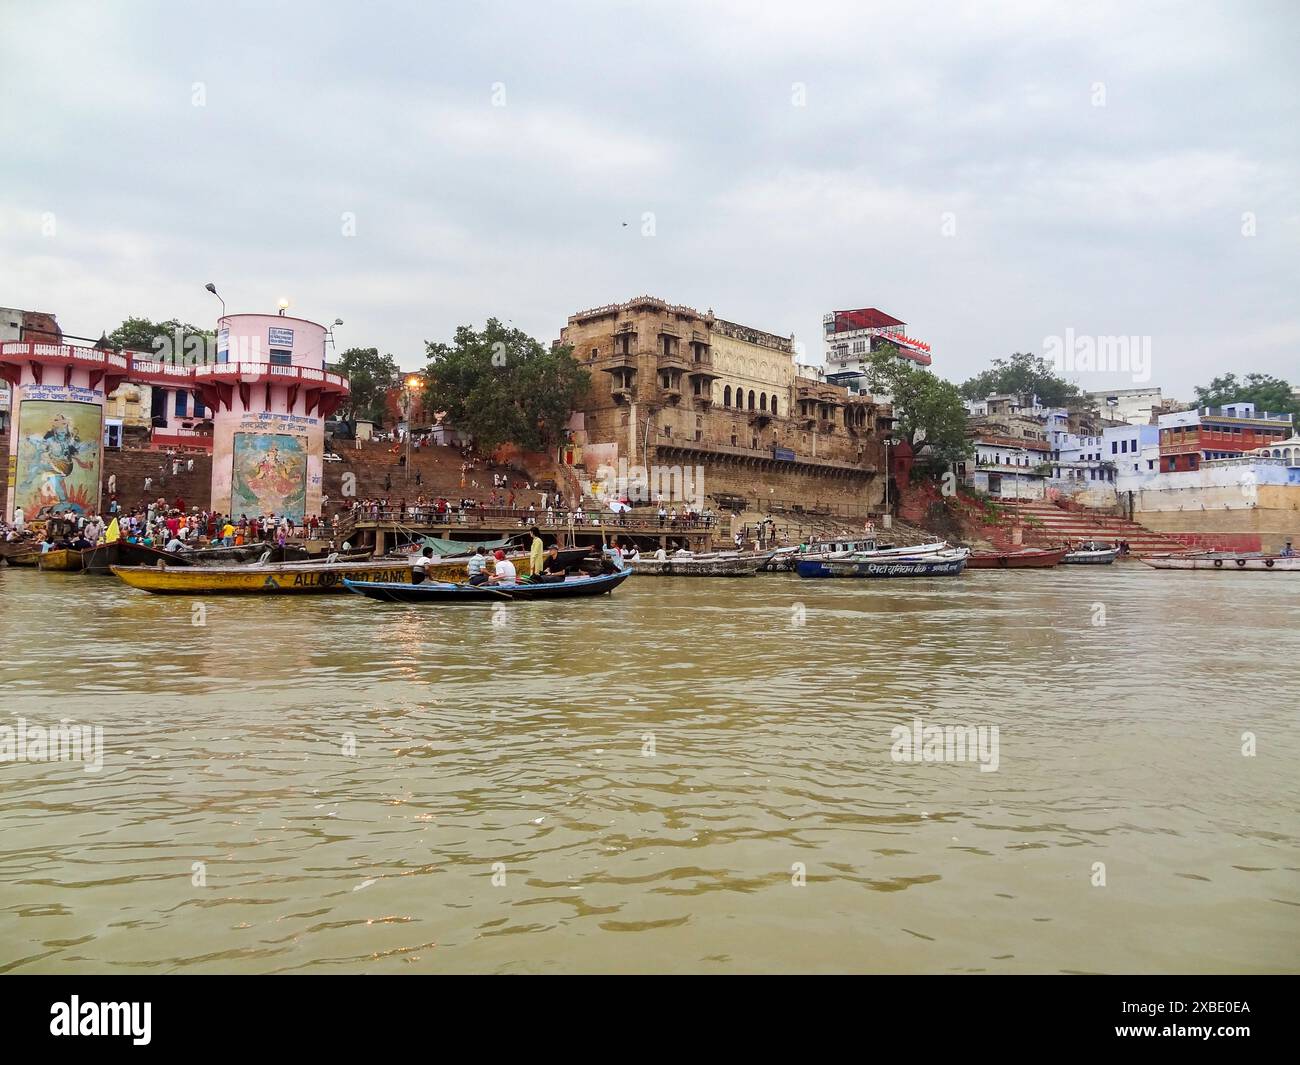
{"points": [[1132, 405], [1007, 467]]}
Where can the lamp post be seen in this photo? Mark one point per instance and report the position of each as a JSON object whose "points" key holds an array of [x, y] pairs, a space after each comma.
{"points": [[889, 442], [211, 286], [414, 383], [329, 343]]}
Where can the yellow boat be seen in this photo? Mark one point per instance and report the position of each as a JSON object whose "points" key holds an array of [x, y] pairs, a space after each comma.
{"points": [[62, 559], [287, 578], [24, 558]]}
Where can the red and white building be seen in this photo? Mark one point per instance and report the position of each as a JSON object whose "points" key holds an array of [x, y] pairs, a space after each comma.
{"points": [[851, 337]]}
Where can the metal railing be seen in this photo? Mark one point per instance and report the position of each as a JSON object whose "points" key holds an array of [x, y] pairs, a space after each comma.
{"points": [[642, 519]]}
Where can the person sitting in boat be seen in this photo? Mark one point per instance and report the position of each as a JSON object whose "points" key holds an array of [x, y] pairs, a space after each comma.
{"points": [[661, 555], [631, 553], [552, 563], [421, 564], [505, 569], [1288, 551], [477, 567]]}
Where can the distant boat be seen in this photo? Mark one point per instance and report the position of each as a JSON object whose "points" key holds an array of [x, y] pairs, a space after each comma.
{"points": [[1092, 553], [786, 558], [1025, 558], [1230, 563], [710, 565], [941, 564], [446, 592]]}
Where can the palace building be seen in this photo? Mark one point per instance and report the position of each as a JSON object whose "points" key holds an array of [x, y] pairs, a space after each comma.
{"points": [[675, 386]]}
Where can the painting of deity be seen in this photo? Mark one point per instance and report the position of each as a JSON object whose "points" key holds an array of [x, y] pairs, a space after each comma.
{"points": [[269, 475], [58, 461]]}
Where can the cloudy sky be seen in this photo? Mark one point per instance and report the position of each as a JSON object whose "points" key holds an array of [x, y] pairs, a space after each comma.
{"points": [[993, 174]]}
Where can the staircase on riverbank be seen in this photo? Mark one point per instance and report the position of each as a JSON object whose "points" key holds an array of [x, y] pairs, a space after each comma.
{"points": [[1046, 523]]}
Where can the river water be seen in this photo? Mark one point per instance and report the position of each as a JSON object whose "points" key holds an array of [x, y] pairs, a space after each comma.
{"points": [[688, 776]]}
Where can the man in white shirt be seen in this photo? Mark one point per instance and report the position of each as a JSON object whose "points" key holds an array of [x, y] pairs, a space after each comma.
{"points": [[505, 570], [420, 566]]}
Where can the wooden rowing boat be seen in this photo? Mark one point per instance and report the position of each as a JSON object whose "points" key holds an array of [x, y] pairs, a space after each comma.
{"points": [[285, 578], [943, 564], [29, 557], [1225, 563], [288, 578], [721, 565], [1026, 558], [1092, 554], [441, 592], [60, 560], [102, 558]]}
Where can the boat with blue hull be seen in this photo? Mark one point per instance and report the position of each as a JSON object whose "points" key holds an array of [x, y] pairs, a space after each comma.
{"points": [[442, 592], [922, 566]]}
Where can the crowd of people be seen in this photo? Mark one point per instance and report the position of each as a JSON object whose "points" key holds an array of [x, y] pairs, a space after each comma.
{"points": [[553, 512], [169, 526]]}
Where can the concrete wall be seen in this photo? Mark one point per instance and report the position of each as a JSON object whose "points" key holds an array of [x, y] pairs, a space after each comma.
{"points": [[1221, 516]]}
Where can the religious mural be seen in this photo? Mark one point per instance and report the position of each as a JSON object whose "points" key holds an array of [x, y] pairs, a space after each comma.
{"points": [[58, 460], [269, 475]]}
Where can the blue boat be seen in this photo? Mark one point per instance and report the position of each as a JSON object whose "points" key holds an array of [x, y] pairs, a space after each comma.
{"points": [[441, 592], [917, 566]]}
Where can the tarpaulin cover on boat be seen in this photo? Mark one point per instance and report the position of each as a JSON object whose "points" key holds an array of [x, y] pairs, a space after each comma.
{"points": [[461, 547]]}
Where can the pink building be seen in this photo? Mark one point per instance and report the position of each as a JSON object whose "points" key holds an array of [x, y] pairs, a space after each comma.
{"points": [[268, 395]]}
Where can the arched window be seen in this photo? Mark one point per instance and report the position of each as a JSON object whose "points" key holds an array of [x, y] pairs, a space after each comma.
{"points": [[762, 401], [774, 406], [751, 399], [726, 396]]}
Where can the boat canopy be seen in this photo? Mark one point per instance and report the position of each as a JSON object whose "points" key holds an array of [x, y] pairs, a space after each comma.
{"points": [[462, 547]]}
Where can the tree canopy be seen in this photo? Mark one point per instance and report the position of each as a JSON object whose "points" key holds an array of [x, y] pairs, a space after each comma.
{"points": [[1023, 373], [371, 376], [142, 334], [927, 409], [500, 385], [1268, 393]]}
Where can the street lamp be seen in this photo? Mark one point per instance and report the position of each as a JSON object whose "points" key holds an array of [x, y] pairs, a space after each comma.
{"points": [[889, 442], [329, 341], [413, 384], [211, 286], [283, 304]]}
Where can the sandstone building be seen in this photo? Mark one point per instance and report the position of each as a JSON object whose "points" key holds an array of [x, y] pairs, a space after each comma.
{"points": [[673, 386]]}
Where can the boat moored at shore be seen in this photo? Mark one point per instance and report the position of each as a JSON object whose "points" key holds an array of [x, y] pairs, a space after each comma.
{"points": [[683, 564], [1025, 558], [940, 564], [1225, 562], [1092, 553]]}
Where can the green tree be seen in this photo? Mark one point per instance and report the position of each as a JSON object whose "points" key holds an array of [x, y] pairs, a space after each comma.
{"points": [[371, 376], [1268, 393], [170, 338], [927, 409], [499, 385], [1023, 373]]}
